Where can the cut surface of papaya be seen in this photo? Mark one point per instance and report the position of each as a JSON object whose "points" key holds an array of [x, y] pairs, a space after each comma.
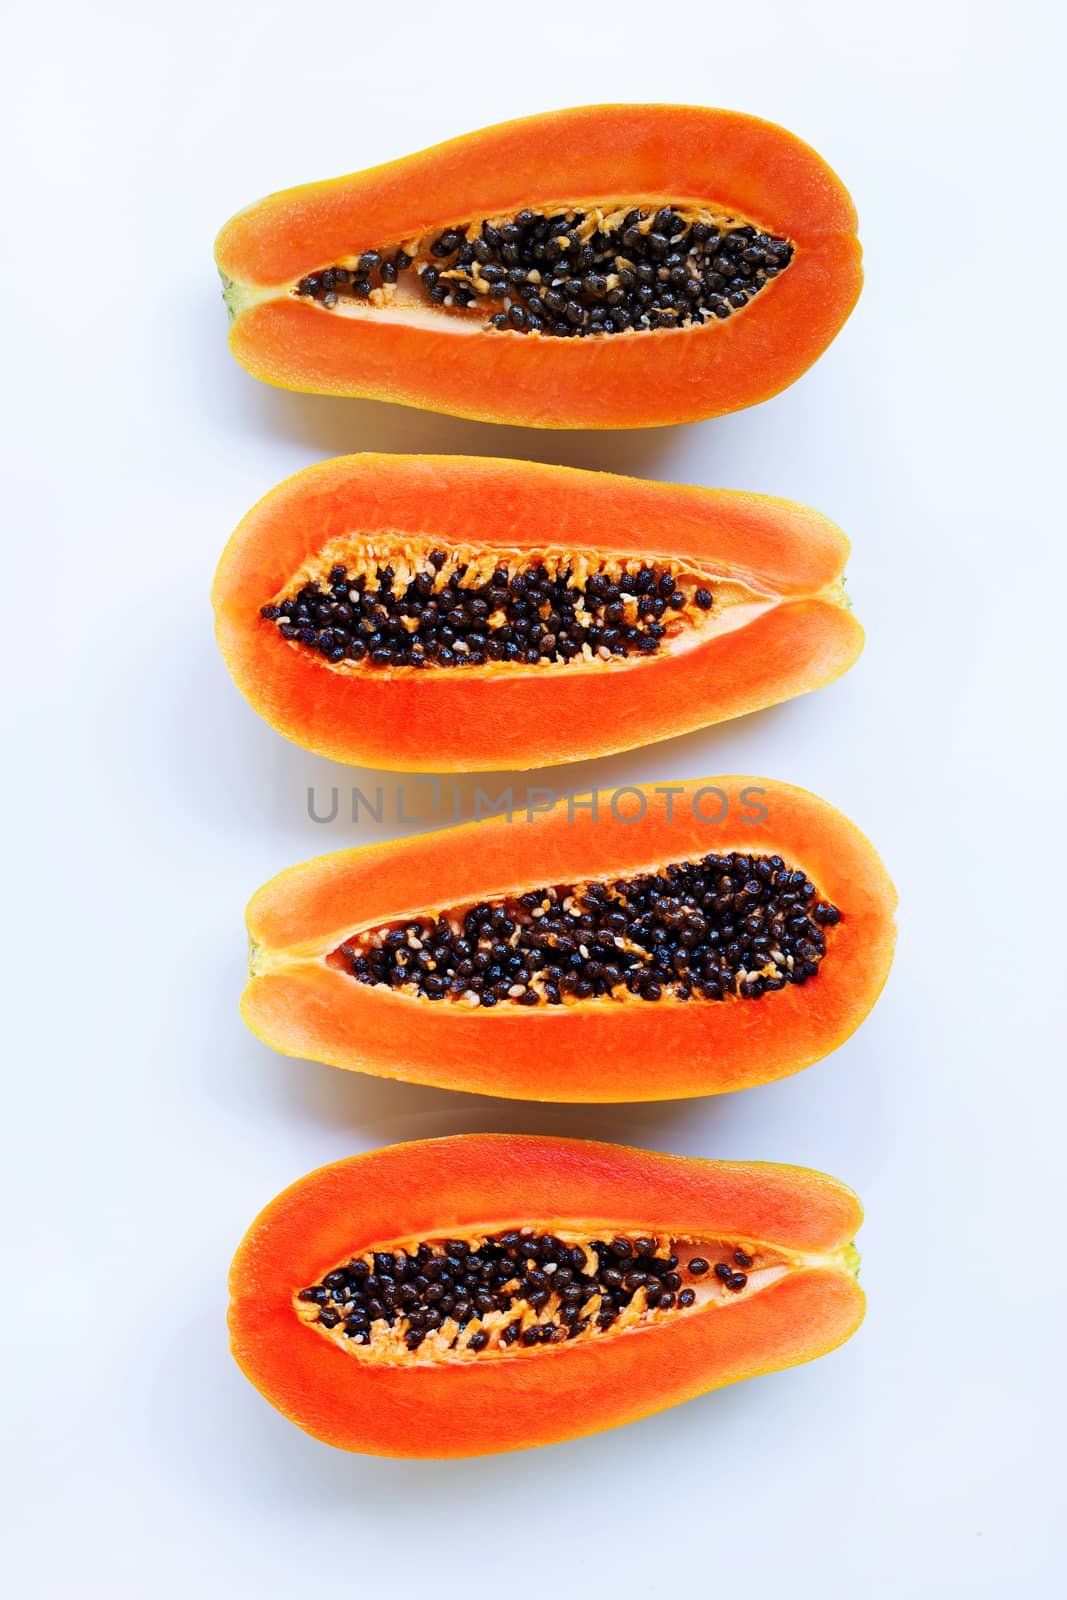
{"points": [[604, 267], [462, 1296], [461, 613], [641, 944]]}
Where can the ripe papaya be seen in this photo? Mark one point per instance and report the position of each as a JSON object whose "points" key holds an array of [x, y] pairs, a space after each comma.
{"points": [[462, 1296], [644, 944], [610, 266], [455, 613]]}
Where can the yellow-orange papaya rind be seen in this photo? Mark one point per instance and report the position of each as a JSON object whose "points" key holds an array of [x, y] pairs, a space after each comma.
{"points": [[626, 153], [589, 1050], [502, 717], [453, 1186]]}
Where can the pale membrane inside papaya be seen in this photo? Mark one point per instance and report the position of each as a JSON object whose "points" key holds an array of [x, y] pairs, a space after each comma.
{"points": [[601, 267], [401, 601], [500, 1291]]}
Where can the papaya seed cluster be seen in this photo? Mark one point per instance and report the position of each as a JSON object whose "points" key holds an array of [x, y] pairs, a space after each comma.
{"points": [[573, 273], [515, 1289], [726, 925], [439, 608]]}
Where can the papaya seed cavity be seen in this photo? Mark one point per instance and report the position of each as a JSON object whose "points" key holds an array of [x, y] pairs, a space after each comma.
{"points": [[521, 1288], [724, 927], [409, 603], [569, 273]]}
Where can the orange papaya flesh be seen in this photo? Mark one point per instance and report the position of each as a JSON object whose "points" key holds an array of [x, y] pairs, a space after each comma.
{"points": [[671, 941], [483, 1293], [685, 262], [506, 640]]}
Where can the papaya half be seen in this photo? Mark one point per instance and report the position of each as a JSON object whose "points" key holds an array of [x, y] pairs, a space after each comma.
{"points": [[461, 1296], [611, 266], [457, 613], [642, 944]]}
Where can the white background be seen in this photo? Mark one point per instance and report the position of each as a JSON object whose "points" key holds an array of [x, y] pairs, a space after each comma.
{"points": [[145, 1127]]}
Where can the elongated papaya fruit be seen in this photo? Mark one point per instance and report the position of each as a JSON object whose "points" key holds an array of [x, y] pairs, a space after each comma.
{"points": [[646, 944], [461, 1296], [606, 267], [458, 613]]}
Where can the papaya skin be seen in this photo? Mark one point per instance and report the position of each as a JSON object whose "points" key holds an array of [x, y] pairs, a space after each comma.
{"points": [[587, 1050], [478, 1182], [798, 633], [636, 154]]}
